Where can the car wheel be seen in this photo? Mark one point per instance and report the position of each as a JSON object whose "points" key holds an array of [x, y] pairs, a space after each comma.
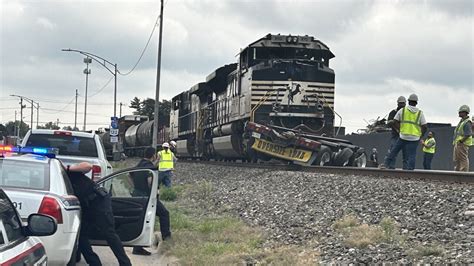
{"points": [[342, 157], [323, 157]]}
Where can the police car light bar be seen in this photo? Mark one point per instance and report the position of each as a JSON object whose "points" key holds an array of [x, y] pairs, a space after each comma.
{"points": [[4, 148], [48, 152]]}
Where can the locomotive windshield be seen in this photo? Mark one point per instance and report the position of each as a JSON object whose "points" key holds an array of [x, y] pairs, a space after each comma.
{"points": [[286, 53], [256, 55]]}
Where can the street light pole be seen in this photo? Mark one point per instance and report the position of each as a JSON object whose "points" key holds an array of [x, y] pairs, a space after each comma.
{"points": [[87, 71], [158, 72], [103, 62], [24, 106], [75, 113]]}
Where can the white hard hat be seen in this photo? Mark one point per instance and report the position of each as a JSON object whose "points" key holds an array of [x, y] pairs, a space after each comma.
{"points": [[464, 108], [401, 99], [173, 143], [165, 145], [413, 97]]}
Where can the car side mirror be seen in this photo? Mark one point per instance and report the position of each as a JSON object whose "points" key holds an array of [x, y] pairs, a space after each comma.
{"points": [[41, 225]]}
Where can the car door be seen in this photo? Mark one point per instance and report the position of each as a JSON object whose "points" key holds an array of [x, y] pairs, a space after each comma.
{"points": [[134, 195]]}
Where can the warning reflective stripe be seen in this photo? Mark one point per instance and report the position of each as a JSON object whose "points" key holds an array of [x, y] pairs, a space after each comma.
{"points": [[291, 154], [410, 123]]}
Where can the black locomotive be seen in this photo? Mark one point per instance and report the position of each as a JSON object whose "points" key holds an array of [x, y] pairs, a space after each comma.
{"points": [[276, 101]]}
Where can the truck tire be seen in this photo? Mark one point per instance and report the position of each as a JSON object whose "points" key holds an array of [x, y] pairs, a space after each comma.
{"points": [[358, 159], [323, 157], [342, 157]]}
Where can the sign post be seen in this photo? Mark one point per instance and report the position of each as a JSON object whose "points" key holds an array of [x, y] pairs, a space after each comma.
{"points": [[114, 130]]}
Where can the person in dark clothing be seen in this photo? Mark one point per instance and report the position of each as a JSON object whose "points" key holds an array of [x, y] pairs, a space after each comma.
{"points": [[401, 102], [374, 158], [142, 187], [96, 208]]}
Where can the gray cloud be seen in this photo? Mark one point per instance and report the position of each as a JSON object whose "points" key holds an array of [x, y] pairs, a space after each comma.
{"points": [[382, 48]]}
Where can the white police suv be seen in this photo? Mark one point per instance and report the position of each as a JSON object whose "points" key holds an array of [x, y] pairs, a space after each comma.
{"points": [[17, 246], [36, 182]]}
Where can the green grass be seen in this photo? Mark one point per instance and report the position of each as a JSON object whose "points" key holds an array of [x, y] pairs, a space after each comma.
{"points": [[427, 250], [200, 237], [362, 235], [168, 194]]}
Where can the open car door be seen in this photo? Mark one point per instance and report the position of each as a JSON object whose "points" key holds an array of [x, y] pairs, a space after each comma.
{"points": [[134, 195]]}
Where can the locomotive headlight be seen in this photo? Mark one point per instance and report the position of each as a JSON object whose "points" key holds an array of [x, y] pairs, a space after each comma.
{"points": [[295, 39], [288, 39]]}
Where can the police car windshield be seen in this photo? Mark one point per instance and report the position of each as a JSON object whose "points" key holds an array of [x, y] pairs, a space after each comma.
{"points": [[66, 144], [22, 174]]}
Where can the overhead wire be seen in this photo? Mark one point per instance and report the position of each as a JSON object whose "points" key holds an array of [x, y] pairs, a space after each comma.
{"points": [[146, 45], [60, 110], [101, 89]]}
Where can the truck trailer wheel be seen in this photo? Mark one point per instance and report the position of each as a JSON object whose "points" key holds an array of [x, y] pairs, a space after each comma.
{"points": [[359, 159], [324, 156], [342, 157]]}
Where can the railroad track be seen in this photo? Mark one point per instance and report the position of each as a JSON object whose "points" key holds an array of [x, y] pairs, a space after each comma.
{"points": [[432, 175]]}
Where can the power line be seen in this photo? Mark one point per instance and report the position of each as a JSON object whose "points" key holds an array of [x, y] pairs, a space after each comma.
{"points": [[49, 109], [72, 123], [103, 87], [60, 110], [146, 46]]}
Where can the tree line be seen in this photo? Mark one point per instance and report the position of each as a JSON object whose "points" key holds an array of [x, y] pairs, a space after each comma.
{"points": [[145, 107]]}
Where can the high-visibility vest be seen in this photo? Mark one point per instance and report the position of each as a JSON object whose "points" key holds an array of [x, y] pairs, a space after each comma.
{"points": [[410, 123], [459, 133], [166, 160], [431, 149]]}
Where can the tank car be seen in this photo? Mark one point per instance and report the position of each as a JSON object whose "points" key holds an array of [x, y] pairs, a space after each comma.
{"points": [[282, 83], [136, 133]]}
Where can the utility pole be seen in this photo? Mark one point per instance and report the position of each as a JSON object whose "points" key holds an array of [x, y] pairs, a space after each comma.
{"points": [[120, 110], [157, 93], [57, 122], [75, 113], [31, 122], [21, 116], [37, 114], [115, 94], [15, 127], [87, 71], [32, 110]]}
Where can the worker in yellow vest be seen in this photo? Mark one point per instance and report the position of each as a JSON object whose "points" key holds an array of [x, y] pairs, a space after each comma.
{"points": [[429, 149], [462, 140], [411, 123], [166, 160]]}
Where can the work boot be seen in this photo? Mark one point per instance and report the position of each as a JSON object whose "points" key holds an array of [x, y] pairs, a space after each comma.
{"points": [[140, 251], [166, 237]]}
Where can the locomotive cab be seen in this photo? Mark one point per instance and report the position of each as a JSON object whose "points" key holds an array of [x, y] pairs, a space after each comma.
{"points": [[292, 85]]}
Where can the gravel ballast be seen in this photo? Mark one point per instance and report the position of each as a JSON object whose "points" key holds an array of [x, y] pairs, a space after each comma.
{"points": [[300, 208]]}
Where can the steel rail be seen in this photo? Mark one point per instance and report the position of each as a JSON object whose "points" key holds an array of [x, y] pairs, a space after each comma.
{"points": [[428, 175]]}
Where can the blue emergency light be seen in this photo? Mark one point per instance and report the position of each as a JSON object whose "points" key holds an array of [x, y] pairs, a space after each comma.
{"points": [[48, 152]]}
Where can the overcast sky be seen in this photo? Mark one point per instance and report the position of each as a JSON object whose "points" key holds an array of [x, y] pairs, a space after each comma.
{"points": [[383, 49]]}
